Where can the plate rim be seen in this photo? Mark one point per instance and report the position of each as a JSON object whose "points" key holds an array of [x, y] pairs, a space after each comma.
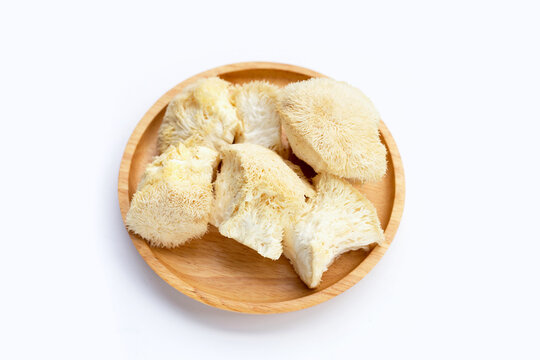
{"points": [[256, 307]]}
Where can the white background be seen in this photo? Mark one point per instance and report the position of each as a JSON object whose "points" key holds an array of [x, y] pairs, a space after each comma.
{"points": [[458, 84]]}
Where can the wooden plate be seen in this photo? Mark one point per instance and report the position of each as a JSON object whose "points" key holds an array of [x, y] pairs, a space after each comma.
{"points": [[223, 273]]}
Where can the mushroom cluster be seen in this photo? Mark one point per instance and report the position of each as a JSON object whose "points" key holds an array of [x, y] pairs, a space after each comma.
{"points": [[224, 160]]}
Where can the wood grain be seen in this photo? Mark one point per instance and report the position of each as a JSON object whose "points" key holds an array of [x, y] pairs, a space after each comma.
{"points": [[223, 273]]}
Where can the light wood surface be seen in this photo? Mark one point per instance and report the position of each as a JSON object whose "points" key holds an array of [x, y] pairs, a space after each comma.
{"points": [[223, 273]]}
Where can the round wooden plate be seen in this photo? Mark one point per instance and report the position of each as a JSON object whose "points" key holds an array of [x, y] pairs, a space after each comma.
{"points": [[223, 273]]}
